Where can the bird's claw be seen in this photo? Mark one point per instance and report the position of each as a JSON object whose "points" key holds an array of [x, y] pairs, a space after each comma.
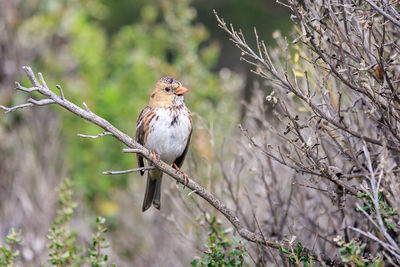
{"points": [[186, 179], [185, 176], [155, 155]]}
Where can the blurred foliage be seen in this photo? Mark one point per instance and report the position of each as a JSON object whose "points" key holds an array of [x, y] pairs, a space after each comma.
{"points": [[97, 258], [221, 253], [115, 74], [352, 253], [295, 256], [63, 249], [8, 253], [387, 212], [266, 16]]}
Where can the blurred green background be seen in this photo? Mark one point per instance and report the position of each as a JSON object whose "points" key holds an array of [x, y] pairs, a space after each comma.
{"points": [[109, 54]]}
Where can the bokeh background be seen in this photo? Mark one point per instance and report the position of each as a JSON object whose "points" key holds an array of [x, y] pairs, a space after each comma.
{"points": [[109, 54]]}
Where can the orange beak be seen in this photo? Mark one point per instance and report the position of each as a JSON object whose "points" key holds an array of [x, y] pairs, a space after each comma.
{"points": [[181, 90]]}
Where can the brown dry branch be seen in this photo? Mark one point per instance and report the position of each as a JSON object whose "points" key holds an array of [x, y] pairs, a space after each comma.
{"points": [[134, 147], [395, 21]]}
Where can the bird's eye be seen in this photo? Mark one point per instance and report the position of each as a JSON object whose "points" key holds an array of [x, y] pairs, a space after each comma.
{"points": [[167, 89]]}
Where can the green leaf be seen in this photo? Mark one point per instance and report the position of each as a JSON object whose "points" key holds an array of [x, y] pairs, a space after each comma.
{"points": [[299, 247], [105, 245], [194, 263], [207, 260], [343, 251], [213, 238], [65, 255], [360, 195], [284, 250], [235, 240], [345, 259]]}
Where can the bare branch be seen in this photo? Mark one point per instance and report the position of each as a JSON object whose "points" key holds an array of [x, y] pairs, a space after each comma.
{"points": [[61, 91], [42, 102], [31, 102], [41, 79], [15, 107], [18, 86], [383, 13], [94, 136], [31, 76], [376, 239], [147, 168], [375, 199]]}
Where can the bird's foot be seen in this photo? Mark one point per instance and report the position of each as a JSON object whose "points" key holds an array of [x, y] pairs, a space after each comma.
{"points": [[155, 155], [185, 176]]}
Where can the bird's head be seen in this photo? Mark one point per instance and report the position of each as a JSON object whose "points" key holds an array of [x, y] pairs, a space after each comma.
{"points": [[168, 92]]}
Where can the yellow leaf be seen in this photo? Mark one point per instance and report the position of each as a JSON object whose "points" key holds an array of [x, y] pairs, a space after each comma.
{"points": [[296, 58], [298, 73], [107, 207]]}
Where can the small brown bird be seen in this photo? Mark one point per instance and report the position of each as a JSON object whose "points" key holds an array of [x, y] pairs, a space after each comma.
{"points": [[164, 127]]}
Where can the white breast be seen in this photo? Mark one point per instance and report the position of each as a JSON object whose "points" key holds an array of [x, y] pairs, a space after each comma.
{"points": [[169, 133]]}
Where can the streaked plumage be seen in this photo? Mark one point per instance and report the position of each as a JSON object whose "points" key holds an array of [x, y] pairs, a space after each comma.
{"points": [[165, 127]]}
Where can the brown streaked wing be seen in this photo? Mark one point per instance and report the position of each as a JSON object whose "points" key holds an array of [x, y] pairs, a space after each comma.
{"points": [[179, 161], [140, 134]]}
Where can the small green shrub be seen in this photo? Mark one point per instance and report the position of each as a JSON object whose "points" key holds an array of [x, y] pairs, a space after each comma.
{"points": [[97, 258], [220, 250], [63, 248], [295, 256], [387, 212], [221, 253], [352, 253], [8, 253]]}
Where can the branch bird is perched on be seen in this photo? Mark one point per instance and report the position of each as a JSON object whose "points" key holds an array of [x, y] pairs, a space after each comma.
{"points": [[164, 127]]}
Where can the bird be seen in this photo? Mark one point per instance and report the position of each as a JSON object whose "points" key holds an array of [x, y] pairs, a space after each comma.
{"points": [[164, 127]]}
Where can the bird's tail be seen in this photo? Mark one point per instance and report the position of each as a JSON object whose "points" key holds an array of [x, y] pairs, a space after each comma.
{"points": [[153, 190]]}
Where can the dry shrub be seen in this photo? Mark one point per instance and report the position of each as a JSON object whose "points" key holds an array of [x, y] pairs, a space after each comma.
{"points": [[322, 169]]}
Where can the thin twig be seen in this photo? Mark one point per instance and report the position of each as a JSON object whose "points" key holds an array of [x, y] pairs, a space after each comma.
{"points": [[383, 13], [95, 136], [61, 91], [147, 168]]}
